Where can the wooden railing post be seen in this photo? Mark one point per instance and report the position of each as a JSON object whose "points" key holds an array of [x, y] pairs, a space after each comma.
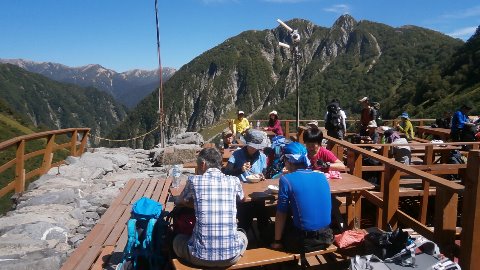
{"points": [[73, 144], [390, 196], [84, 142], [354, 163], [470, 237], [48, 155], [287, 128], [20, 167], [446, 203]]}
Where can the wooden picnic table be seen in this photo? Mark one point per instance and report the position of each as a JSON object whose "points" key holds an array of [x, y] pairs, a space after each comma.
{"points": [[349, 185], [443, 133]]}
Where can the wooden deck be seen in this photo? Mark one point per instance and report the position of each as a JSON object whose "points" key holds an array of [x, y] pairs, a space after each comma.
{"points": [[105, 243]]}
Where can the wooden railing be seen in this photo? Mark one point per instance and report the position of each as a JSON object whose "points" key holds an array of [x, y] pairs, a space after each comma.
{"points": [[446, 201], [17, 184]]}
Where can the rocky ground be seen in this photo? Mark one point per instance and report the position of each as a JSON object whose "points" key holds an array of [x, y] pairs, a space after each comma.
{"points": [[58, 210]]}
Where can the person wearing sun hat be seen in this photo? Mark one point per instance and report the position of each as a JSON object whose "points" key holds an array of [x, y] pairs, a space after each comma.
{"points": [[367, 115], [406, 126], [274, 124], [306, 194], [240, 125], [248, 159]]}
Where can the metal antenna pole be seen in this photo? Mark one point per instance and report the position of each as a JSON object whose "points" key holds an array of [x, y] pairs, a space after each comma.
{"points": [[161, 117], [295, 61]]}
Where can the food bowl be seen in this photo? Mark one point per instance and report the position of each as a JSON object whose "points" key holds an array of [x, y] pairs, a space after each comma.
{"points": [[254, 178], [273, 189]]}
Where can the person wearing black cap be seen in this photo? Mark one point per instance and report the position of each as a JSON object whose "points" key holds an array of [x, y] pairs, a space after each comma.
{"points": [[461, 123]]}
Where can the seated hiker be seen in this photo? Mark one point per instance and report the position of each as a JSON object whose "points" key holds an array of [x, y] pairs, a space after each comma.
{"points": [[274, 124], [320, 158], [406, 126], [240, 125], [371, 134], [248, 159], [402, 154], [228, 138], [215, 241], [461, 124], [306, 194]]}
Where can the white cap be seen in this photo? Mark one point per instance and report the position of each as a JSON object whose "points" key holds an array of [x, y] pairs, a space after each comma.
{"points": [[273, 112], [363, 99], [313, 123], [240, 112], [372, 124]]}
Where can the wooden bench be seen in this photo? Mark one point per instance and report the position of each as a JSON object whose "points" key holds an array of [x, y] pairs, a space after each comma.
{"points": [[259, 257], [106, 241]]}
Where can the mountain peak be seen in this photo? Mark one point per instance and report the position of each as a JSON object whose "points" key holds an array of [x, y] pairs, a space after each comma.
{"points": [[345, 21]]}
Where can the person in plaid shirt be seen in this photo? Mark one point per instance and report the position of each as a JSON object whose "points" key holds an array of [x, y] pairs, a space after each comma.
{"points": [[215, 241]]}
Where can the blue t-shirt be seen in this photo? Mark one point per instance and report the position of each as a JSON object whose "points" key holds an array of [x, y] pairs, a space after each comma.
{"points": [[308, 195], [258, 163], [458, 120]]}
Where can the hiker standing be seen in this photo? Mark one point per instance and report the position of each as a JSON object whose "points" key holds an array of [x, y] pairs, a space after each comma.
{"points": [[367, 115], [335, 122]]}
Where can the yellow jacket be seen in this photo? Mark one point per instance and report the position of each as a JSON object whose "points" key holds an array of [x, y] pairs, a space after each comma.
{"points": [[407, 128], [240, 125]]}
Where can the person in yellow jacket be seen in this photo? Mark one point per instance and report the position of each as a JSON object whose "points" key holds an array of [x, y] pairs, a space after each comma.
{"points": [[406, 126], [240, 125]]}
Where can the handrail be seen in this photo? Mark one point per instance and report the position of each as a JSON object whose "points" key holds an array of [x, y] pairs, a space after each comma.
{"points": [[446, 200], [21, 176]]}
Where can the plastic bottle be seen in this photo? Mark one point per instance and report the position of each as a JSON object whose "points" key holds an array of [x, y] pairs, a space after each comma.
{"points": [[258, 124], [220, 145], [176, 176]]}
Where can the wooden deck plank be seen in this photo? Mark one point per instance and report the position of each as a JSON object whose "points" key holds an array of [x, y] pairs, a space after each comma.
{"points": [[89, 258], [158, 190], [151, 188], [120, 225], [141, 190], [164, 194], [131, 193], [102, 258], [110, 225]]}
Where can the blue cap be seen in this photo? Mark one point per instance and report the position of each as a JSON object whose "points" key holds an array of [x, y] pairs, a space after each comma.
{"points": [[405, 115], [296, 153]]}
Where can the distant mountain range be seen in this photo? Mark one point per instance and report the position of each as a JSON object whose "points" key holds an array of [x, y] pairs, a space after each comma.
{"points": [[404, 68], [128, 87], [37, 101]]}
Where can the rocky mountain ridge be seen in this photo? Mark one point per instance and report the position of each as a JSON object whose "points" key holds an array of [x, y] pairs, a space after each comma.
{"points": [[251, 72], [127, 87]]}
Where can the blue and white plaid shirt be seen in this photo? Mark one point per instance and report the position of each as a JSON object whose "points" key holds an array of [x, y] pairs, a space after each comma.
{"points": [[215, 236]]}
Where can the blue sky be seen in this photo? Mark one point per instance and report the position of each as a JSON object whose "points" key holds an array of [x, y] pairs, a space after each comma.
{"points": [[120, 34]]}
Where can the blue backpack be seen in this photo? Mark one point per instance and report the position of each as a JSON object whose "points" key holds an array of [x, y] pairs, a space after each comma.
{"points": [[275, 153], [142, 250]]}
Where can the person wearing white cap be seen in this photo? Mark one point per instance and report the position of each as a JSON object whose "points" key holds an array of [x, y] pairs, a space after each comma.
{"points": [[240, 125], [274, 124]]}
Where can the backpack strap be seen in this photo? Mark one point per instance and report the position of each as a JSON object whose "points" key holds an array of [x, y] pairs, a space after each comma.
{"points": [[132, 236], [148, 236]]}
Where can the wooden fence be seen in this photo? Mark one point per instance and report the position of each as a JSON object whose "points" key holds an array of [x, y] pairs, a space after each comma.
{"points": [[447, 207], [17, 184]]}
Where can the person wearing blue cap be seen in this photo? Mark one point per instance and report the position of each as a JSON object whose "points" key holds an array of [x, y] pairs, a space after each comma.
{"points": [[306, 195], [406, 126]]}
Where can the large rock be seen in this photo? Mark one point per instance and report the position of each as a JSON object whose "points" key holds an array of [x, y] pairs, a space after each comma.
{"points": [[177, 154], [62, 197], [189, 138], [42, 259]]}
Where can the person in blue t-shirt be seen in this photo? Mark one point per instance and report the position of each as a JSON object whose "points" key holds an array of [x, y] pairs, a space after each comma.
{"points": [[460, 124], [306, 195]]}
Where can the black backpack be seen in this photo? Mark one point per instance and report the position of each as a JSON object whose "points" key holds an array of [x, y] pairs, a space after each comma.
{"points": [[334, 117]]}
